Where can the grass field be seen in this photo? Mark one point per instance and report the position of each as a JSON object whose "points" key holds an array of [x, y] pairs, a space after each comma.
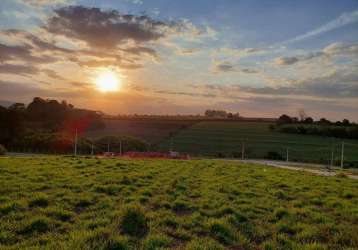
{"points": [[152, 130], [225, 138], [89, 203]]}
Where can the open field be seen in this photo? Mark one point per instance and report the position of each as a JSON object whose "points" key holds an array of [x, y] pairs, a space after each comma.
{"points": [[90, 203], [150, 130], [225, 138]]}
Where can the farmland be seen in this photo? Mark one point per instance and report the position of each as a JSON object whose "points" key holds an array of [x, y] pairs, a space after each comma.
{"points": [[152, 131], [97, 203], [225, 139]]}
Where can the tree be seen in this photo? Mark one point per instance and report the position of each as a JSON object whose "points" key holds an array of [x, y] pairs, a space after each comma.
{"points": [[345, 122], [284, 119], [216, 113], [324, 121], [308, 120]]}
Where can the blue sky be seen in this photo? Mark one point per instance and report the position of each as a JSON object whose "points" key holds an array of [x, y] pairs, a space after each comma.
{"points": [[260, 58]]}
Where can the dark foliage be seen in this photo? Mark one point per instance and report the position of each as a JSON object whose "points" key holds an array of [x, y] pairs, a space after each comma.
{"points": [[2, 150], [45, 126], [322, 127]]}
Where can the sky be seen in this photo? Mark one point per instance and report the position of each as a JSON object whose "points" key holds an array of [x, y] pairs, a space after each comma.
{"points": [[258, 58]]}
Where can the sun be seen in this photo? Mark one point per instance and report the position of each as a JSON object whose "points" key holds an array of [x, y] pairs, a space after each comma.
{"points": [[107, 81]]}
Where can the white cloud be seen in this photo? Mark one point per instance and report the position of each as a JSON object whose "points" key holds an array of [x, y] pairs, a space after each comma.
{"points": [[342, 20]]}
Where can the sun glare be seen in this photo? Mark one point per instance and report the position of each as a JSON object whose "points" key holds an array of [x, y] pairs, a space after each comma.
{"points": [[107, 82]]}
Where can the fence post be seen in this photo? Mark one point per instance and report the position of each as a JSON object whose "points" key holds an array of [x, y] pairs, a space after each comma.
{"points": [[243, 150], [76, 143], [342, 155], [286, 154]]}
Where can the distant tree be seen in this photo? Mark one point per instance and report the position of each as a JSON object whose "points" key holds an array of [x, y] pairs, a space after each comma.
{"points": [[324, 121], [308, 120], [216, 113], [230, 115], [345, 122], [284, 119]]}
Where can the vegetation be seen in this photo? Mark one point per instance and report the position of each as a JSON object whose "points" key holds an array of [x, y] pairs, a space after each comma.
{"points": [[2, 150], [323, 127], [152, 130], [90, 203], [226, 139], [120, 144], [43, 125]]}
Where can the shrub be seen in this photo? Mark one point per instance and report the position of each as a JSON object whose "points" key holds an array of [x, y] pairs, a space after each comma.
{"points": [[2, 150], [39, 225], [7, 208], [273, 155], [40, 200], [134, 222]]}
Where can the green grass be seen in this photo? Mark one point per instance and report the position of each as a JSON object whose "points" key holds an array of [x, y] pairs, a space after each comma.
{"points": [[225, 138], [64, 203]]}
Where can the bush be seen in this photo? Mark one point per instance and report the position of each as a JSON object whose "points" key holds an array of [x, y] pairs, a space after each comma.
{"points": [[40, 200], [39, 225], [134, 222], [273, 155], [2, 150]]}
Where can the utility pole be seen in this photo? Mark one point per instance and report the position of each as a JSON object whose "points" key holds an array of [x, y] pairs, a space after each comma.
{"points": [[76, 142], [92, 151], [342, 155], [332, 156], [120, 148], [286, 154], [108, 147], [243, 150]]}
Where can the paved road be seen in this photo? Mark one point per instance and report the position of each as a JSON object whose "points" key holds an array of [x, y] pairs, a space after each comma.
{"points": [[312, 168]]}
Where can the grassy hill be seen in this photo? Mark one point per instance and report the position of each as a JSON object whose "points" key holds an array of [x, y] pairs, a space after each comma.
{"points": [[89, 203], [150, 130], [226, 138]]}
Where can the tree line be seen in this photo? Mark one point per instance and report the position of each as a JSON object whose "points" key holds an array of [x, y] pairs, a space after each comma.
{"points": [[212, 113], [44, 124], [322, 127]]}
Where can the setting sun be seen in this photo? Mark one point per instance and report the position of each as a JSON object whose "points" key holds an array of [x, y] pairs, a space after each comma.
{"points": [[107, 82]]}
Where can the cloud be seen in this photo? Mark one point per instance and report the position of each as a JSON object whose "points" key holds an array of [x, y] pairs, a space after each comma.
{"points": [[341, 49], [108, 29], [342, 20], [339, 84], [209, 95], [18, 69], [41, 3], [225, 67], [334, 49], [295, 59], [52, 74]]}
